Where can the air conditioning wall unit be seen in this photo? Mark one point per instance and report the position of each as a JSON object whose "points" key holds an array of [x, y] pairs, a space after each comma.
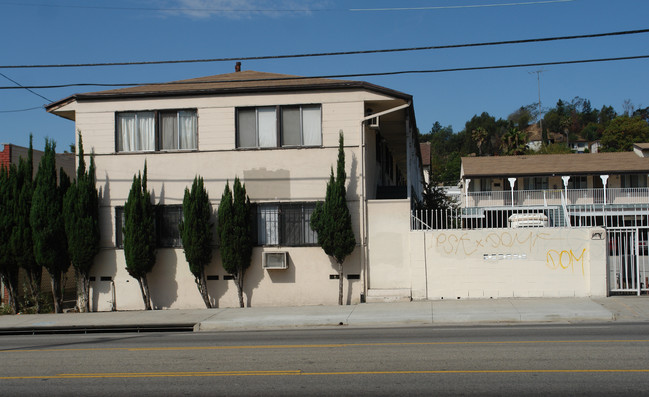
{"points": [[275, 260]]}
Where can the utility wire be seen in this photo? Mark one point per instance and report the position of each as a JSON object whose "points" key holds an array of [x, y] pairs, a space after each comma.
{"points": [[21, 110], [465, 6], [423, 71], [244, 10], [23, 87], [323, 54]]}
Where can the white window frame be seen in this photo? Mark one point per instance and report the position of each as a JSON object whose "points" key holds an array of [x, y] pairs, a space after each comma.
{"points": [[155, 141], [310, 135]]}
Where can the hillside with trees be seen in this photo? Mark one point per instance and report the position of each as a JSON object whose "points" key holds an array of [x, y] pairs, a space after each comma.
{"points": [[567, 122]]}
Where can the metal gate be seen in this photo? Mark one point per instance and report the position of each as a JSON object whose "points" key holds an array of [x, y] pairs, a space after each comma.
{"points": [[627, 260]]}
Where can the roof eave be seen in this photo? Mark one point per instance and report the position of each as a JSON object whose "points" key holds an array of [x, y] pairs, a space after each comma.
{"points": [[225, 91], [571, 173]]}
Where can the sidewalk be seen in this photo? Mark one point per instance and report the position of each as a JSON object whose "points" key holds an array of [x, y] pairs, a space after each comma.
{"points": [[442, 312]]}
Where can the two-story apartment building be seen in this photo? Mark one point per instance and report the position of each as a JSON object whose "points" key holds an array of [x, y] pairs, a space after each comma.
{"points": [[279, 135]]}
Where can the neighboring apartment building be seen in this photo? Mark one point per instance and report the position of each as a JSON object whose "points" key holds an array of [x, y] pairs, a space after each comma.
{"points": [[608, 190], [11, 154], [424, 149], [279, 135], [556, 179]]}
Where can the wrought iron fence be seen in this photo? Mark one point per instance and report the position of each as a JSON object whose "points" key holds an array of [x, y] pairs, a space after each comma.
{"points": [[576, 215]]}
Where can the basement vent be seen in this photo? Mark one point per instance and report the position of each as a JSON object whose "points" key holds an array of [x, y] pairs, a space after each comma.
{"points": [[228, 277], [212, 278], [353, 277], [334, 277], [275, 260]]}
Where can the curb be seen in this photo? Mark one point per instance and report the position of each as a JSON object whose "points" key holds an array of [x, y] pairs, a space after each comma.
{"points": [[89, 329]]}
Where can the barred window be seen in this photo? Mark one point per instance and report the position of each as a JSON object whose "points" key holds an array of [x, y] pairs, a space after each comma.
{"points": [[285, 224], [167, 218]]}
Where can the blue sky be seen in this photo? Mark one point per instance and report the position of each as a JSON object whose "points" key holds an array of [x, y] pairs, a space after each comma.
{"points": [[95, 31]]}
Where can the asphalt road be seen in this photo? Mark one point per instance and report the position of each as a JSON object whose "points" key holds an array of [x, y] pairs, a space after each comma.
{"points": [[598, 359]]}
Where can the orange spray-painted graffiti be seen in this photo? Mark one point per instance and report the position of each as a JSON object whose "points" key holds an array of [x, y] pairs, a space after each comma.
{"points": [[565, 260]]}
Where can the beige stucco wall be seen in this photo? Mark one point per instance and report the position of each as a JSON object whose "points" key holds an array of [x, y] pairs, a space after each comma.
{"points": [[493, 263], [389, 244], [172, 286]]}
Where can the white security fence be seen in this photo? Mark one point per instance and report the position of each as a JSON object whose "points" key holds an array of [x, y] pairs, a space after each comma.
{"points": [[628, 260], [480, 218], [582, 215]]}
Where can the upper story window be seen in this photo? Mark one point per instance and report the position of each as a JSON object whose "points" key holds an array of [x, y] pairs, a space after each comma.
{"points": [[633, 181], [578, 182], [481, 185], [156, 130], [536, 183], [178, 130], [275, 126]]}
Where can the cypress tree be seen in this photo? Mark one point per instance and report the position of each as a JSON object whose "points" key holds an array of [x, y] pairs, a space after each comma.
{"points": [[46, 218], [8, 264], [235, 233], [139, 234], [81, 210], [332, 221], [22, 245], [196, 233]]}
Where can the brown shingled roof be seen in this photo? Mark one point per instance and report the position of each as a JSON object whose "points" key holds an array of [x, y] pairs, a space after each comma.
{"points": [[237, 82], [554, 164]]}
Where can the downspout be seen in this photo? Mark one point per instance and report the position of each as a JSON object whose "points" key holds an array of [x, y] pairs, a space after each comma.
{"points": [[364, 253]]}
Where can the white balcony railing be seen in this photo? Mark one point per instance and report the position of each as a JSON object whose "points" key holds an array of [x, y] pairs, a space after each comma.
{"points": [[519, 198]]}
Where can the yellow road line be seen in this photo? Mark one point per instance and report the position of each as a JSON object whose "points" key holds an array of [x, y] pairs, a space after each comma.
{"points": [[298, 372], [334, 345]]}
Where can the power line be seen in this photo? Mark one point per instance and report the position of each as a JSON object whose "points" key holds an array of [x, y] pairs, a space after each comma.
{"points": [[322, 54], [23, 87], [244, 10], [423, 71], [21, 110], [465, 6]]}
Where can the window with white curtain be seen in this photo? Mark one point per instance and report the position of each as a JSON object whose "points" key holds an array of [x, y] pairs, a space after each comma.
{"points": [[135, 131], [301, 125], [257, 127], [298, 125], [157, 130], [178, 130]]}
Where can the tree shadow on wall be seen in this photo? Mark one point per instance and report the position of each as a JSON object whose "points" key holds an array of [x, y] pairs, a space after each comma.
{"points": [[254, 275], [162, 279]]}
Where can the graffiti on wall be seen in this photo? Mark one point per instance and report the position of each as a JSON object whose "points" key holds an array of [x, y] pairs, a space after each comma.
{"points": [[463, 243], [565, 260], [508, 241]]}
